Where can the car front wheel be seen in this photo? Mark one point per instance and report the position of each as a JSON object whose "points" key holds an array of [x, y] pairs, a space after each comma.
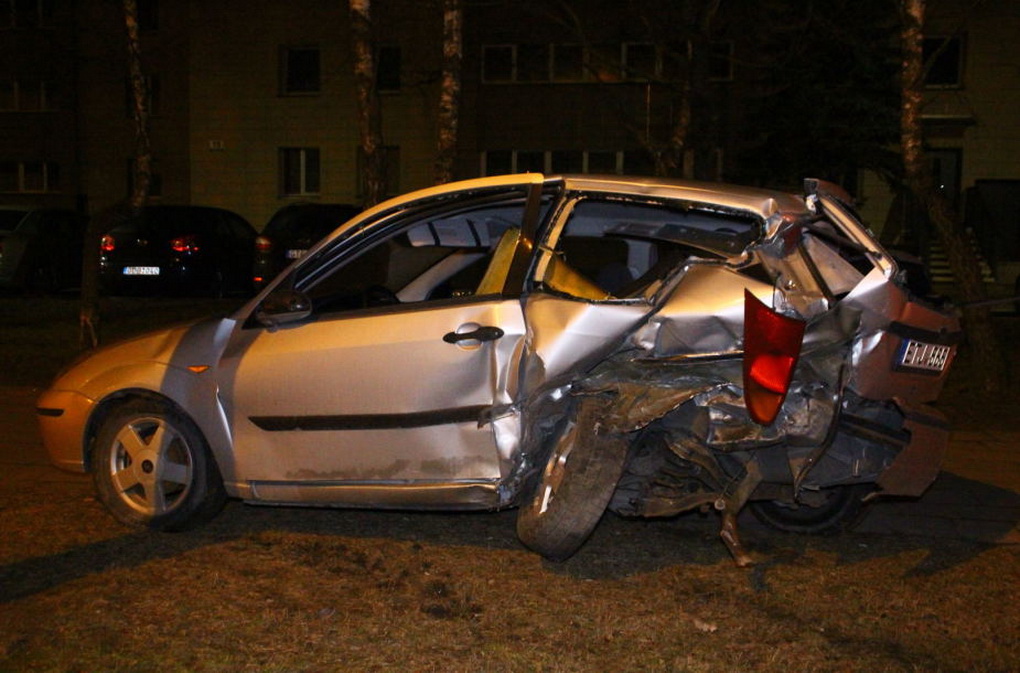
{"points": [[153, 469]]}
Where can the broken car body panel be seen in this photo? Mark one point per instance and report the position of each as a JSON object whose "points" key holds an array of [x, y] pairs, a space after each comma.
{"points": [[431, 353]]}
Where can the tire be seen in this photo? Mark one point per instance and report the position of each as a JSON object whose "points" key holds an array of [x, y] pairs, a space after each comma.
{"points": [[152, 468], [841, 510], [568, 498]]}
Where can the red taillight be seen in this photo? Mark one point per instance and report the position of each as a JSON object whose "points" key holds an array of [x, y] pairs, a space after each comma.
{"points": [[187, 243], [263, 244], [107, 243], [771, 349]]}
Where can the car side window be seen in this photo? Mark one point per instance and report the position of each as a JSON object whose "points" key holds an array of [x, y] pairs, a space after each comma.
{"points": [[617, 249], [448, 255]]}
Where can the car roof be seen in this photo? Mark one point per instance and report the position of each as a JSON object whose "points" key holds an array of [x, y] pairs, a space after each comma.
{"points": [[753, 200], [756, 201]]}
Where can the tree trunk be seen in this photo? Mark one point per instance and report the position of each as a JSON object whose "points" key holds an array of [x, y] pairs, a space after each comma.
{"points": [[920, 181], [449, 92], [141, 173], [369, 115]]}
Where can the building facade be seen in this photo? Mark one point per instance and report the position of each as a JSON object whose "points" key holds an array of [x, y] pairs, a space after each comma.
{"points": [[253, 108]]}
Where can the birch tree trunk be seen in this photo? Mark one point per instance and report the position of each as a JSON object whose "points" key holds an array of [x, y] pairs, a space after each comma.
{"points": [[141, 171], [449, 92], [921, 183], [369, 114]]}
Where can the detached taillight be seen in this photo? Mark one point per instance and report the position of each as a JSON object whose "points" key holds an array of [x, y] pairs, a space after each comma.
{"points": [[187, 243], [107, 243], [771, 348], [263, 244]]}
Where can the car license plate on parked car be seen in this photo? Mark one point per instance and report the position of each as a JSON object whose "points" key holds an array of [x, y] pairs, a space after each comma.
{"points": [[296, 254], [920, 355], [141, 270]]}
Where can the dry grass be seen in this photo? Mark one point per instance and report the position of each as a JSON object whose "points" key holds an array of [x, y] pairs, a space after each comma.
{"points": [[263, 589], [319, 590]]}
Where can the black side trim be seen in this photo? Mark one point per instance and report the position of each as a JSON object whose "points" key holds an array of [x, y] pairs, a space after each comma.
{"points": [[940, 338], [45, 411], [419, 419]]}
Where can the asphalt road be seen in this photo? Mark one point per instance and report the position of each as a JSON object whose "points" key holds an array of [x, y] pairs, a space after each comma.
{"points": [[977, 497]]}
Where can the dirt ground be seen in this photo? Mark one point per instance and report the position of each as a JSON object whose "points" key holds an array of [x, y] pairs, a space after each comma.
{"points": [[269, 589]]}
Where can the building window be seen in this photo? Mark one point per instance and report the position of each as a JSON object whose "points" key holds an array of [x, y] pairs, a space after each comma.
{"points": [[720, 61], [29, 177], [26, 13], [529, 161], [26, 95], [155, 179], [943, 61], [568, 62], [638, 162], [602, 162], [604, 62], [497, 162], [148, 14], [8, 95], [566, 161], [498, 63], [532, 63], [502, 162], [299, 171], [299, 70], [640, 61], [387, 69]]}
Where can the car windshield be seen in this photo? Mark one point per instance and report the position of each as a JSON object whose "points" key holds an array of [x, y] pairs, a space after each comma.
{"points": [[312, 222], [9, 219], [170, 222]]}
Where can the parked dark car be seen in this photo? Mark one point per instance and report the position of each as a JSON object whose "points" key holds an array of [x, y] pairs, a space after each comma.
{"points": [[40, 248], [194, 250], [291, 231]]}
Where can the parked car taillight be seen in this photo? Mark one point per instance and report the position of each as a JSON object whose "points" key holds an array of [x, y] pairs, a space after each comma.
{"points": [[107, 243], [263, 244], [771, 349], [187, 243]]}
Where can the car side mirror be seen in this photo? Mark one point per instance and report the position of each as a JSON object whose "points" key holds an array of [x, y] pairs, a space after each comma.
{"points": [[283, 306]]}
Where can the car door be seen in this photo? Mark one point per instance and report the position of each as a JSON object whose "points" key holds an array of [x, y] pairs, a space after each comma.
{"points": [[382, 395]]}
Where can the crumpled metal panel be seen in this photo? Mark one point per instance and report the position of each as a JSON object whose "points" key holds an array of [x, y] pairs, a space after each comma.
{"points": [[703, 312], [567, 336]]}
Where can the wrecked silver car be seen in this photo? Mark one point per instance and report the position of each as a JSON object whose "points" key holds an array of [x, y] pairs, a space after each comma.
{"points": [[561, 344]]}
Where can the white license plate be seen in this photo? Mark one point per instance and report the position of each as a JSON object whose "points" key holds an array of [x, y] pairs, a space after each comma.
{"points": [[141, 270], [920, 355], [295, 254]]}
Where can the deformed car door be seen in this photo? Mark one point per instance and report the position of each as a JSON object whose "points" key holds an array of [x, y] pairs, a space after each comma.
{"points": [[382, 395]]}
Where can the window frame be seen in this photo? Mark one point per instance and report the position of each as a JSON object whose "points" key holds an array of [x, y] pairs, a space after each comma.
{"points": [[288, 79], [938, 57], [303, 155], [49, 172]]}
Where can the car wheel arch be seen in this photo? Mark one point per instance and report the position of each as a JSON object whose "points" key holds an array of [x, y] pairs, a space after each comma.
{"points": [[108, 405]]}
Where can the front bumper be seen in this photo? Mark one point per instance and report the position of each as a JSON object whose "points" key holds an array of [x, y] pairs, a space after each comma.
{"points": [[63, 415]]}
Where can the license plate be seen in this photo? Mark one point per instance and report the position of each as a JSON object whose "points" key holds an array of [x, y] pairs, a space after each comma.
{"points": [[920, 355], [141, 270], [295, 254]]}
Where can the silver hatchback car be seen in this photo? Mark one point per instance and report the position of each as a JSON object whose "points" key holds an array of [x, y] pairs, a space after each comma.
{"points": [[562, 344]]}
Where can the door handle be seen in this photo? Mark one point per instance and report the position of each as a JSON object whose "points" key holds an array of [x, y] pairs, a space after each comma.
{"points": [[487, 333]]}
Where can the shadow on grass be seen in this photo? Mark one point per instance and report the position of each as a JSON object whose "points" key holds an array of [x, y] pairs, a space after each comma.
{"points": [[618, 549]]}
